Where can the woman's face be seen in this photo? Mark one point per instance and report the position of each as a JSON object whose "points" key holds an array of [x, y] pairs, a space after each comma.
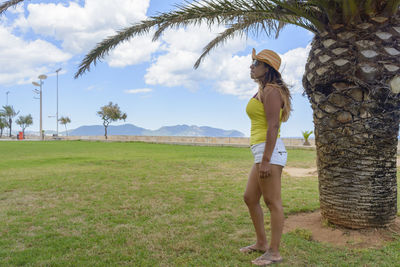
{"points": [[257, 70]]}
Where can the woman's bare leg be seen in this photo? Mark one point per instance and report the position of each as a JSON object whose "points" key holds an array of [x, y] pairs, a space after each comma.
{"points": [[252, 197], [271, 191]]}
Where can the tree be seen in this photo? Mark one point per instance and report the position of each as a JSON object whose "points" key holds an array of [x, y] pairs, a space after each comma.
{"points": [[351, 79], [306, 135], [24, 122], [3, 124], [110, 113], [65, 121], [9, 113]]}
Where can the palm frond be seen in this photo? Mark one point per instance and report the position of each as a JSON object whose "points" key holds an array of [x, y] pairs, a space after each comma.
{"points": [[370, 7], [220, 39], [7, 4], [106, 45], [301, 9], [281, 25], [351, 9], [212, 12], [328, 8], [256, 25], [392, 6]]}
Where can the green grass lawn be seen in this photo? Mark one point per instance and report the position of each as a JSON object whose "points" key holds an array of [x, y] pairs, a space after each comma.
{"points": [[135, 204]]}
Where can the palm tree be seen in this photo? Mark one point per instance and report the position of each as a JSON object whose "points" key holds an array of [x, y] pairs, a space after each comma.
{"points": [[65, 121], [24, 122], [3, 123], [9, 113], [351, 79], [306, 135]]}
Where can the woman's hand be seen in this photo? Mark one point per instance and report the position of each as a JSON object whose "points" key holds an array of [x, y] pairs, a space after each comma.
{"points": [[265, 169]]}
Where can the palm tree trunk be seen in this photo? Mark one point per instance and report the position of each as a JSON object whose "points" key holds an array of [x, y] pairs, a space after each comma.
{"points": [[356, 108], [10, 123], [66, 129]]}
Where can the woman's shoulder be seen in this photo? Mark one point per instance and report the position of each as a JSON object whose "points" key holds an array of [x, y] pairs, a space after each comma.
{"points": [[272, 86], [272, 90]]}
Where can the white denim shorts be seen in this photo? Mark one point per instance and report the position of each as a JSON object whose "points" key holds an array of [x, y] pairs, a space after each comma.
{"points": [[279, 155]]}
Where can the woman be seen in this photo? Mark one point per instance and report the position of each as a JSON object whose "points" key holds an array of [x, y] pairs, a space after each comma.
{"points": [[267, 109]]}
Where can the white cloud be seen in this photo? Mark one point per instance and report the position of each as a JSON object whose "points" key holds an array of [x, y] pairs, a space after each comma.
{"points": [[21, 61], [293, 66], [134, 51], [94, 87], [138, 91], [235, 79], [78, 27], [229, 73], [18, 9]]}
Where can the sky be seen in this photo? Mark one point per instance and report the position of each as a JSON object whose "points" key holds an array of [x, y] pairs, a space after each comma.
{"points": [[153, 82]]}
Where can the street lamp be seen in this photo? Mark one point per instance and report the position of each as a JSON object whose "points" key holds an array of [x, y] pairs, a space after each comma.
{"points": [[41, 78], [57, 99]]}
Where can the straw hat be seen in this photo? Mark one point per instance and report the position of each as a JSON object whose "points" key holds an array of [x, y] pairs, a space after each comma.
{"points": [[269, 57]]}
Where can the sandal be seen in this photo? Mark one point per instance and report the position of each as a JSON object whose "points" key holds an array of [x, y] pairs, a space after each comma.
{"points": [[250, 249], [266, 259]]}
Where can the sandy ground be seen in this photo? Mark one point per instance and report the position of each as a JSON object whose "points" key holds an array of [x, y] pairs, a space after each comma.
{"points": [[300, 172], [342, 237], [337, 236]]}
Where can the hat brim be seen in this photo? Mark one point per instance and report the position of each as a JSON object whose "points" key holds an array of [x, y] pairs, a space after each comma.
{"points": [[254, 57]]}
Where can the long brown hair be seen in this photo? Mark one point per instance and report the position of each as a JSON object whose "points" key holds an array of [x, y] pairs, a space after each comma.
{"points": [[274, 78]]}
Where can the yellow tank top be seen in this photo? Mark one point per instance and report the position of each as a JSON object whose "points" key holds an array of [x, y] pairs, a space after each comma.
{"points": [[259, 124]]}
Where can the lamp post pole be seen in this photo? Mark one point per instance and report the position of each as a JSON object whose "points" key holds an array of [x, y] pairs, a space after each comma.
{"points": [[57, 100], [41, 123], [41, 78], [7, 97]]}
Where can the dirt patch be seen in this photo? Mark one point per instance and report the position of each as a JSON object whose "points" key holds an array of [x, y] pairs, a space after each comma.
{"points": [[300, 172], [337, 236]]}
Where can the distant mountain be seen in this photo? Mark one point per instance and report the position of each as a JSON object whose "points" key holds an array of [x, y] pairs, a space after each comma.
{"points": [[186, 130], [177, 130], [126, 129]]}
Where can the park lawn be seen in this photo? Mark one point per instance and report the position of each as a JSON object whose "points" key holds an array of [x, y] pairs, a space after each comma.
{"points": [[73, 203]]}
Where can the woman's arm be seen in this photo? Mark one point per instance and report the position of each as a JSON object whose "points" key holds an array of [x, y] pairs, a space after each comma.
{"points": [[272, 105]]}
